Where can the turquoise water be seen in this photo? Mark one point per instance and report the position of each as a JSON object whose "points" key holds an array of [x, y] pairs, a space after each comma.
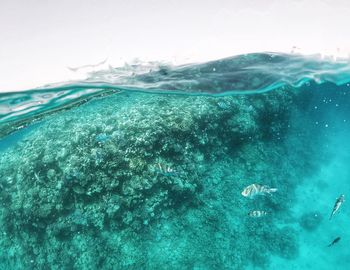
{"points": [[143, 167]]}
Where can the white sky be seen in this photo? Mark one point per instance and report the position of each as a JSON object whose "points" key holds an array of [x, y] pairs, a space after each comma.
{"points": [[40, 38]]}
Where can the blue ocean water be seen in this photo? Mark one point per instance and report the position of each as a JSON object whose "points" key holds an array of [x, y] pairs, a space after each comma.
{"points": [[151, 166]]}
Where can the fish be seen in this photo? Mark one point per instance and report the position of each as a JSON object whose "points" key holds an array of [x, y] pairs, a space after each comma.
{"points": [[336, 240], [165, 170], [257, 213], [337, 205], [255, 189]]}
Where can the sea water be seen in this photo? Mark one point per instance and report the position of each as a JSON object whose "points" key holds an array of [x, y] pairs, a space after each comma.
{"points": [[143, 167]]}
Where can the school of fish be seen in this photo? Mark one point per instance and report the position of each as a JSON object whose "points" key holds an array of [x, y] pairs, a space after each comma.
{"points": [[254, 190]]}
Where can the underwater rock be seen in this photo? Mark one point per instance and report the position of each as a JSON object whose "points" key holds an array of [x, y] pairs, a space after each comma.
{"points": [[310, 220]]}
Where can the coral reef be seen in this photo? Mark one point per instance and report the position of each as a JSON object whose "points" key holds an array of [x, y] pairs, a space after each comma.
{"points": [[116, 182]]}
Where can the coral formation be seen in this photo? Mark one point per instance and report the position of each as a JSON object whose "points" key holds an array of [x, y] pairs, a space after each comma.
{"points": [[116, 182]]}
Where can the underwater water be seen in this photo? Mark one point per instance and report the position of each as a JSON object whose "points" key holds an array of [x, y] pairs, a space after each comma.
{"points": [[151, 166]]}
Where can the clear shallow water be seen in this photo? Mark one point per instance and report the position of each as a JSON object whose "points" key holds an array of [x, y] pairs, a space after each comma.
{"points": [[143, 167]]}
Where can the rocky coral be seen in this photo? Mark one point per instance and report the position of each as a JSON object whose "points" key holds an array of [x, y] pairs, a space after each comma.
{"points": [[111, 170]]}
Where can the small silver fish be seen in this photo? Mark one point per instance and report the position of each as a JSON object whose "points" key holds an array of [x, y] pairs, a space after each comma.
{"points": [[256, 189], [257, 213], [337, 205]]}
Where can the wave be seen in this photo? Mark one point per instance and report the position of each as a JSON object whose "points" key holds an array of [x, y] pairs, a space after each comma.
{"points": [[242, 74]]}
